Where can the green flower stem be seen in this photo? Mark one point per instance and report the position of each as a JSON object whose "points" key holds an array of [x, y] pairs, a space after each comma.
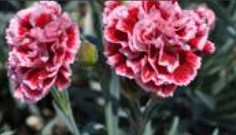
{"points": [[63, 107], [138, 122], [141, 122]]}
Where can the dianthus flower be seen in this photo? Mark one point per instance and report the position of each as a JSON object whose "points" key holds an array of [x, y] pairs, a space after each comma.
{"points": [[43, 42], [157, 43]]}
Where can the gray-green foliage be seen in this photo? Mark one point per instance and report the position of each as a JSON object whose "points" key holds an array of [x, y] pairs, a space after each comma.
{"points": [[3, 24]]}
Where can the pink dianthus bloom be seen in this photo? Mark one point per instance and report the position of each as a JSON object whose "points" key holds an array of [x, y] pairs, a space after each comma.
{"points": [[43, 43], [156, 43]]}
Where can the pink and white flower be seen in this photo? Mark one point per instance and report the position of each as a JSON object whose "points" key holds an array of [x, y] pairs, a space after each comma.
{"points": [[43, 42], [157, 43]]}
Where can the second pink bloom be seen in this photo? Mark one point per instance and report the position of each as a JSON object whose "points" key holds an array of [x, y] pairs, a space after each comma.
{"points": [[157, 43]]}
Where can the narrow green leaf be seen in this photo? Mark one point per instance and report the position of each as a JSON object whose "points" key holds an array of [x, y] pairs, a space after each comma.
{"points": [[221, 13], [8, 133], [174, 127], [148, 129], [111, 118], [15, 4], [207, 100], [89, 22], [48, 128], [232, 9], [96, 13], [216, 132]]}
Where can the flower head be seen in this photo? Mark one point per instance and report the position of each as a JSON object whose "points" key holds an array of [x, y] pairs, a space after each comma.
{"points": [[43, 42], [157, 43]]}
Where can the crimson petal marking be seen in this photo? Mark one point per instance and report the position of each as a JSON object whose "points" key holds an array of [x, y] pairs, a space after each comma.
{"points": [[135, 65], [33, 78], [148, 5], [209, 48], [147, 72], [62, 81], [115, 59], [169, 59], [166, 90], [187, 71], [114, 35], [41, 19], [123, 70], [111, 48], [72, 40], [109, 8]]}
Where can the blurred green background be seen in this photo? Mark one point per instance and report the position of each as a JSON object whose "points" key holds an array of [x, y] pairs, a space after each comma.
{"points": [[206, 107]]}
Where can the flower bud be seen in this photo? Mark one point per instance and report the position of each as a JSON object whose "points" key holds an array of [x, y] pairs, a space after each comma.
{"points": [[88, 54]]}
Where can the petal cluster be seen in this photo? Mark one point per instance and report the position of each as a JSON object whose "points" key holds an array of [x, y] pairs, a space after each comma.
{"points": [[43, 42], [157, 43]]}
